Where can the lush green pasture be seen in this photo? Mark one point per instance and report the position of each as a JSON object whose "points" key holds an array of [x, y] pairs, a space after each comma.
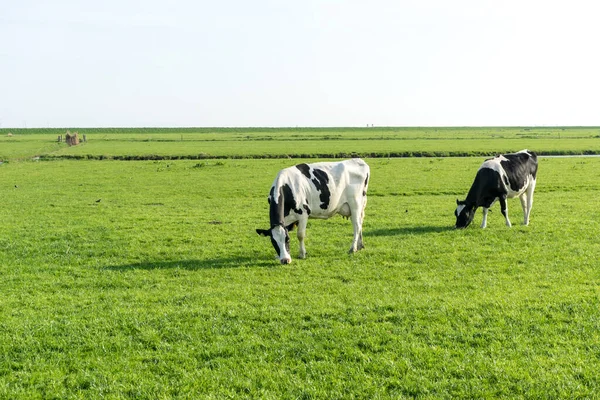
{"points": [[146, 280], [318, 133], [196, 143], [335, 148]]}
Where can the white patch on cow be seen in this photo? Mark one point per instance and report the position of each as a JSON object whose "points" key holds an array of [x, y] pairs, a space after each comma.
{"points": [[459, 209], [494, 164], [484, 220]]}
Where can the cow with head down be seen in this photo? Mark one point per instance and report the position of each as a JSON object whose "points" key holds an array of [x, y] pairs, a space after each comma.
{"points": [[500, 178], [319, 190]]}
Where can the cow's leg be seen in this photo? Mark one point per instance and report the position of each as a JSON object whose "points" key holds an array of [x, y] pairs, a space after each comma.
{"points": [[523, 199], [356, 225], [530, 190], [357, 211], [301, 234], [360, 244], [504, 209], [485, 212]]}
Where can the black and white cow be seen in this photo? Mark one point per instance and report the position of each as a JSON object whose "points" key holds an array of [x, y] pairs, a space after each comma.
{"points": [[319, 190], [504, 176]]}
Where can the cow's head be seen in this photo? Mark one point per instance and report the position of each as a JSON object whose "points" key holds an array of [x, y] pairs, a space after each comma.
{"points": [[464, 214], [280, 240]]}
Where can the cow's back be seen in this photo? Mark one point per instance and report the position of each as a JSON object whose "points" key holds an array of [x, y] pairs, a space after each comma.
{"points": [[325, 186], [358, 172], [348, 177], [516, 170]]}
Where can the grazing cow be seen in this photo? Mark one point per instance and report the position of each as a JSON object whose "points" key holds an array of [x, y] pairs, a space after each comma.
{"points": [[504, 176], [319, 190]]}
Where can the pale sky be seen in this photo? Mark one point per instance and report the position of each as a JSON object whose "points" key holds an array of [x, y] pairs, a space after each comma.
{"points": [[149, 63]]}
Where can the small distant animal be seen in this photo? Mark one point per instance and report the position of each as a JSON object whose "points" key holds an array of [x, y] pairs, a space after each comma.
{"points": [[319, 190], [500, 178]]}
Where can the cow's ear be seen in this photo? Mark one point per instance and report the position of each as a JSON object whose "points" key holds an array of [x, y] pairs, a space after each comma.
{"points": [[264, 232], [457, 202], [290, 227]]}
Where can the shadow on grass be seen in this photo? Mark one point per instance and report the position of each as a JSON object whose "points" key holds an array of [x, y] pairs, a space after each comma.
{"points": [[193, 265], [409, 230]]}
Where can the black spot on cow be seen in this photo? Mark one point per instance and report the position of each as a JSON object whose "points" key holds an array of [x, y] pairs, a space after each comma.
{"points": [[307, 208], [486, 188], [284, 205], [305, 169], [271, 194], [320, 181]]}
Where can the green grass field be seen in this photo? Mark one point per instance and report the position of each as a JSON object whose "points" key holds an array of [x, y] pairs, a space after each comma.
{"points": [[146, 280], [188, 143]]}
